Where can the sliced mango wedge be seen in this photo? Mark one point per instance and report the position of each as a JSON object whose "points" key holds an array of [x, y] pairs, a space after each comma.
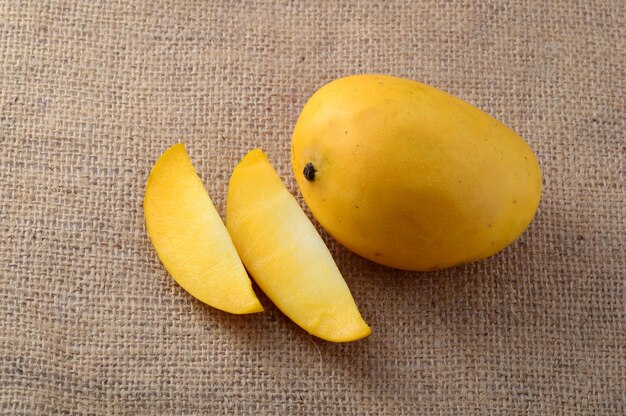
{"points": [[190, 237], [286, 256]]}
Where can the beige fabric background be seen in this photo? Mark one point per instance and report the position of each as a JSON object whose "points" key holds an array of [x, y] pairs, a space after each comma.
{"points": [[91, 92]]}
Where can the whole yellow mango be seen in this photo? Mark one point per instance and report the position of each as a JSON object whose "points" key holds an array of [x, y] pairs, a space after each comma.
{"points": [[411, 177]]}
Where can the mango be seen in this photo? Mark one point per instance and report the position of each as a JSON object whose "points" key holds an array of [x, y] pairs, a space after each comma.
{"points": [[411, 177], [286, 256], [190, 238]]}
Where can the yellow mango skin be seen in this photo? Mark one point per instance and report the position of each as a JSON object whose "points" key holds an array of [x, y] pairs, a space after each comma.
{"points": [[411, 177], [286, 256], [190, 237]]}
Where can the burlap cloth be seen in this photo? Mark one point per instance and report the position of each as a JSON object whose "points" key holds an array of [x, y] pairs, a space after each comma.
{"points": [[91, 93]]}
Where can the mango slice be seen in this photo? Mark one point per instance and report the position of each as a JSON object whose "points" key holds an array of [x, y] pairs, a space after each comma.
{"points": [[190, 237], [286, 256]]}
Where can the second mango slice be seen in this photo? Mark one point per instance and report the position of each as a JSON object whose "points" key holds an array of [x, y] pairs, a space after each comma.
{"points": [[286, 256]]}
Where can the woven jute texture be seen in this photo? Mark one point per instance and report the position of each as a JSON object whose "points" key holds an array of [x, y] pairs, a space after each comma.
{"points": [[92, 92]]}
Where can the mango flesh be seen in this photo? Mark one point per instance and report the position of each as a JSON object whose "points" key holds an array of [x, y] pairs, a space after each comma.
{"points": [[190, 237], [286, 256], [411, 177]]}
